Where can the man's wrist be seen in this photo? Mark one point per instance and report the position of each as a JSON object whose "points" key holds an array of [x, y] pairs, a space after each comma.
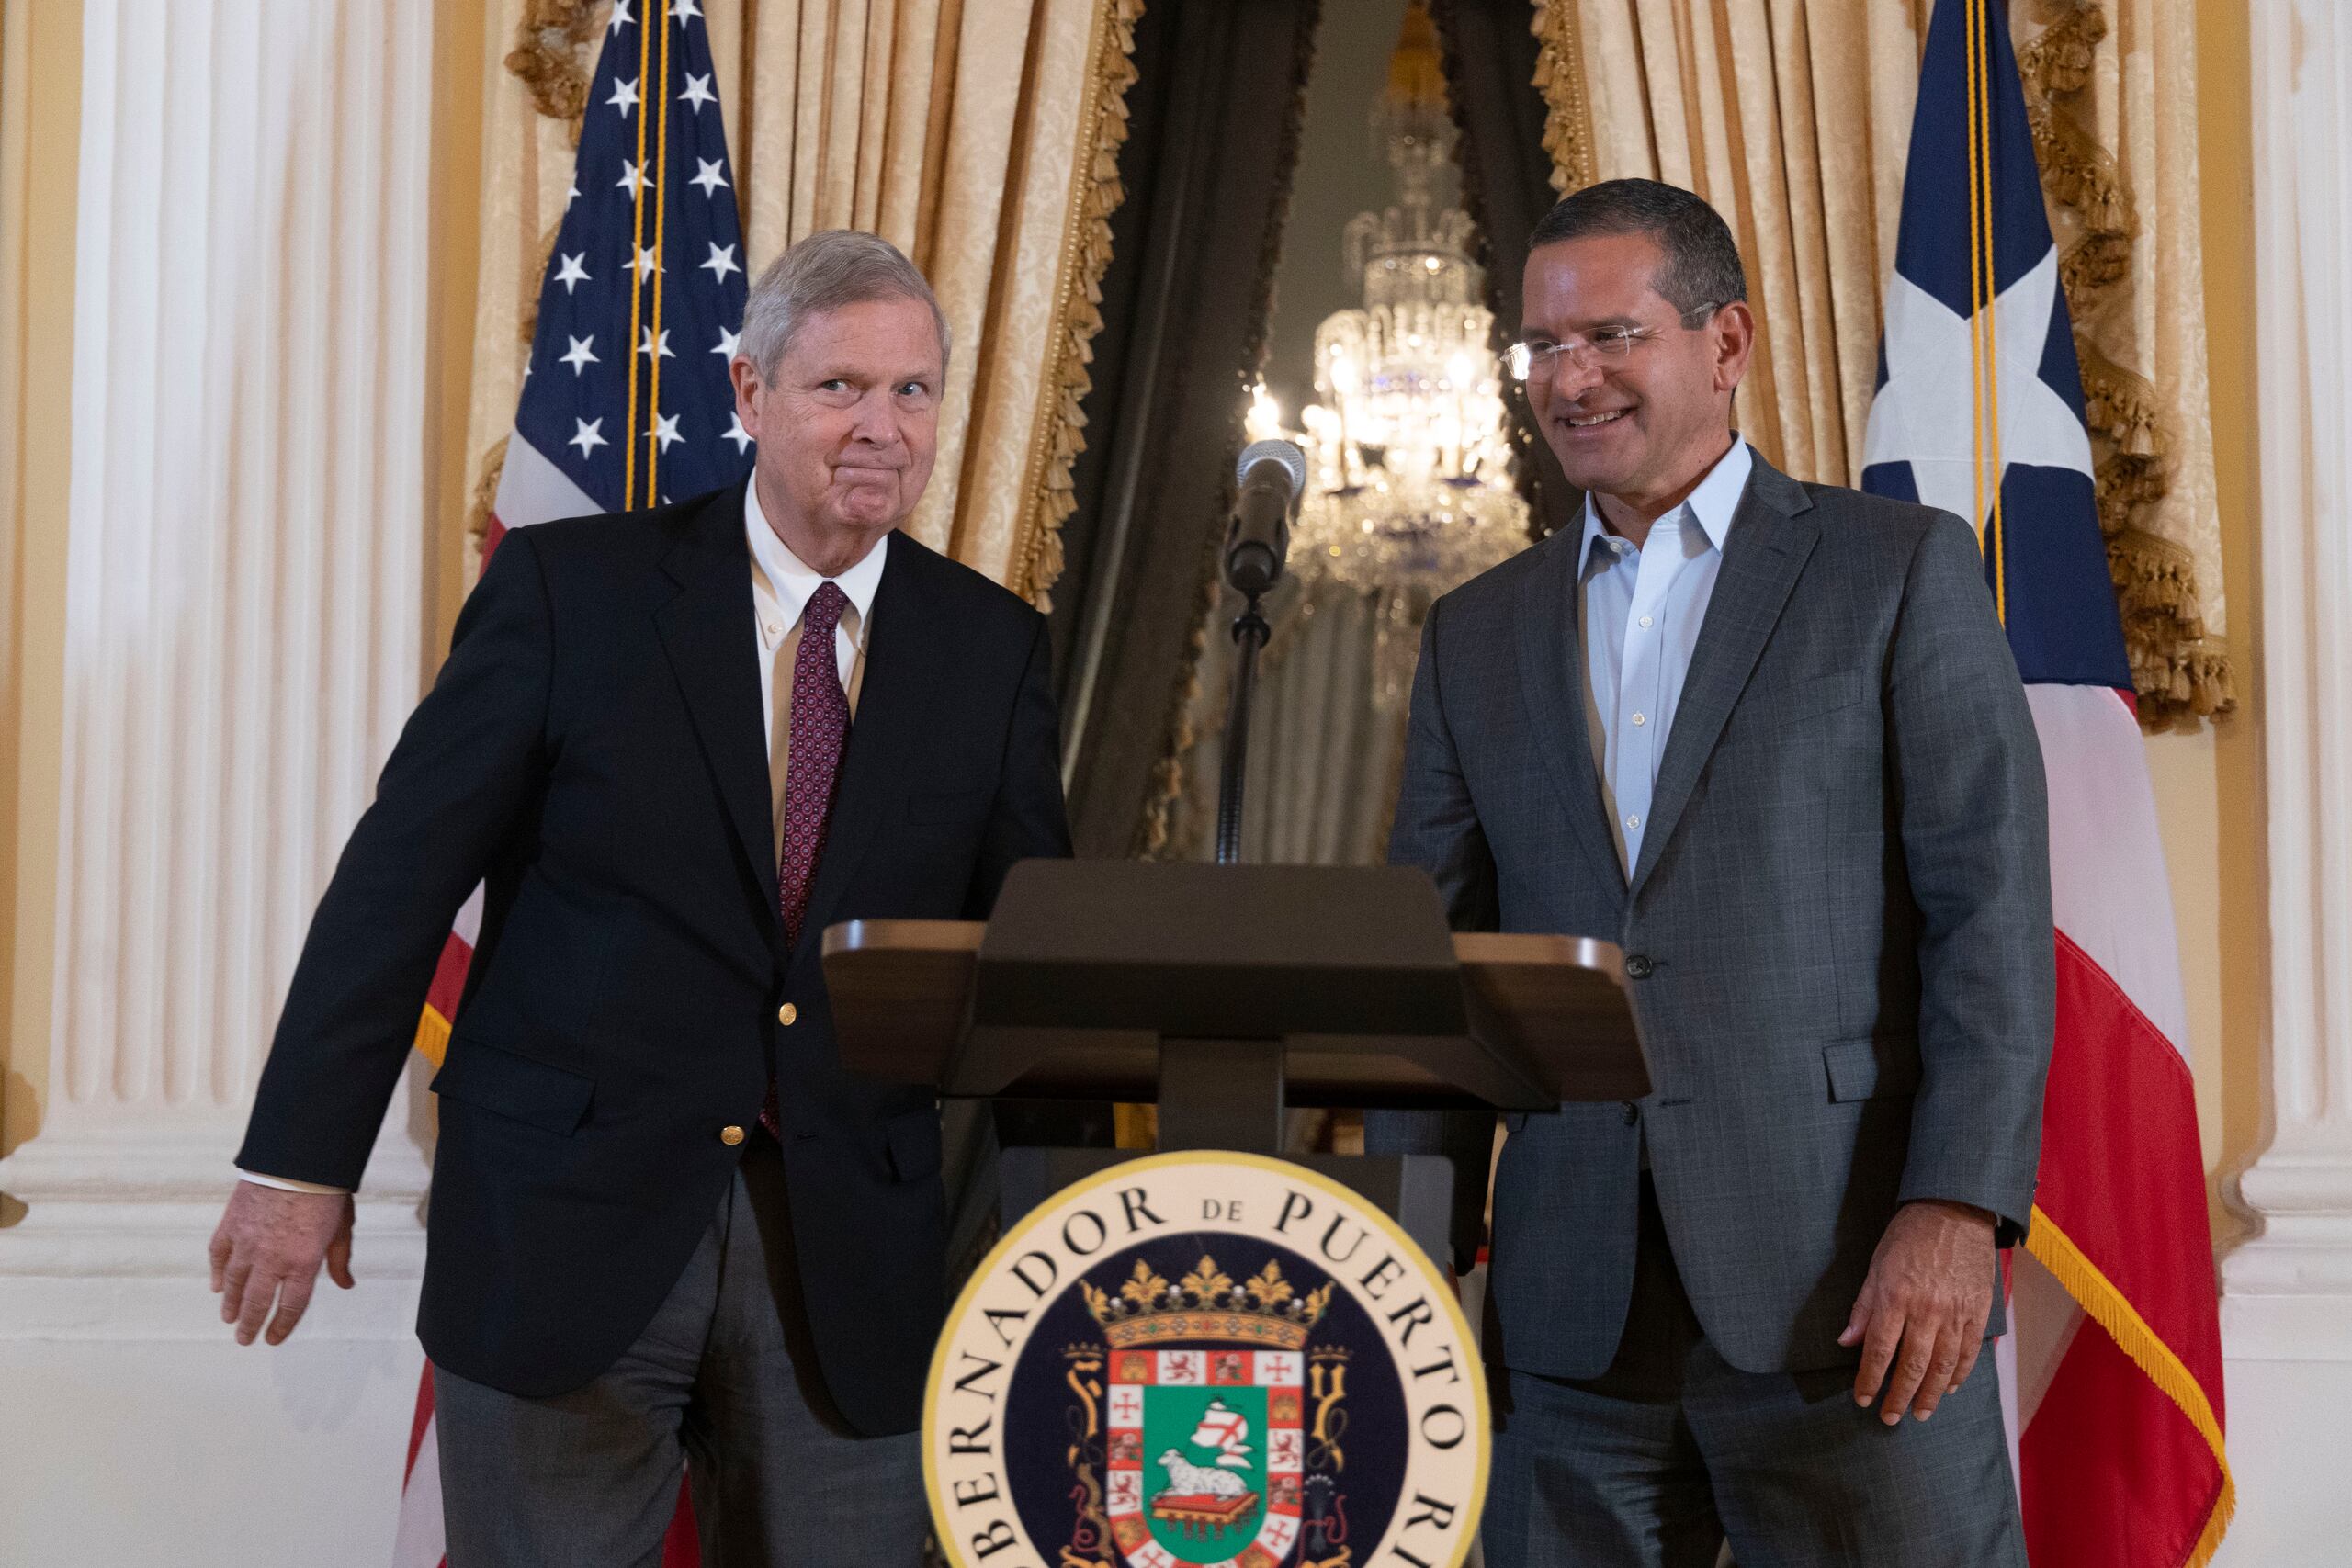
{"points": [[288, 1184], [1957, 1208]]}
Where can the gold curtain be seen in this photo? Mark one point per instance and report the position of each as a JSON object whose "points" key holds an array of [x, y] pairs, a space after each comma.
{"points": [[981, 137], [1793, 117]]}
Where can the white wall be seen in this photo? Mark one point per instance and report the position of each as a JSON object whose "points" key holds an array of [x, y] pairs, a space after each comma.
{"points": [[246, 544]]}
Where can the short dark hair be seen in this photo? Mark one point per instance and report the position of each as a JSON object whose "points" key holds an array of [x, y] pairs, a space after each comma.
{"points": [[1702, 258]]}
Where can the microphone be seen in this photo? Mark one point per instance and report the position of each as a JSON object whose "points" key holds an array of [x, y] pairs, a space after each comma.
{"points": [[1272, 477]]}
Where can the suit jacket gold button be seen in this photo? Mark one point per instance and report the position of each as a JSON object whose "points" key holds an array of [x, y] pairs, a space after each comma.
{"points": [[730, 1135], [787, 1015]]}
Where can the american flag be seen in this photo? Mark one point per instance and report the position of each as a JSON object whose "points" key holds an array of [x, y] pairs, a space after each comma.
{"points": [[626, 403], [2112, 1375]]}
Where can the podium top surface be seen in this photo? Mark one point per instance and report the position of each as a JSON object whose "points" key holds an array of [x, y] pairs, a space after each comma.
{"points": [[903, 1011]]}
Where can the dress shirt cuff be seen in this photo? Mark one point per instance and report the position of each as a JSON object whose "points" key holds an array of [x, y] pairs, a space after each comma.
{"points": [[286, 1184]]}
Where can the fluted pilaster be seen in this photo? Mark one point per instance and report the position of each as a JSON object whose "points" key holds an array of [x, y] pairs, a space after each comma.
{"points": [[246, 566], [2288, 1292]]}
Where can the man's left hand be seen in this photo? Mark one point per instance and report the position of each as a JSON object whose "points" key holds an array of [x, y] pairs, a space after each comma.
{"points": [[1921, 1312]]}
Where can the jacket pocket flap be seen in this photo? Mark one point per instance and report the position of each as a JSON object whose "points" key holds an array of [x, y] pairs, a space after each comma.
{"points": [[1865, 1069], [493, 1078], [912, 1137], [949, 806]]}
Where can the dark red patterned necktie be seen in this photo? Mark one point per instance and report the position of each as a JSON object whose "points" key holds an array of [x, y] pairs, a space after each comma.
{"points": [[819, 728]]}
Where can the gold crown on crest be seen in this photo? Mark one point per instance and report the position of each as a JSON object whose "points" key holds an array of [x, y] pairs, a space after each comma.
{"points": [[1206, 1305]]}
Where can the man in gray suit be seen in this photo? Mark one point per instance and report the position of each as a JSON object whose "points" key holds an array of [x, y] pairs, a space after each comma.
{"points": [[1767, 737]]}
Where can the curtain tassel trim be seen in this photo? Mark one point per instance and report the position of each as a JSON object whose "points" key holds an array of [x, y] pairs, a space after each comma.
{"points": [[1058, 432]]}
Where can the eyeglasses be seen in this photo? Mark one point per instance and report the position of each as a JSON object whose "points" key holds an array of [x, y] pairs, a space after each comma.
{"points": [[1596, 350]]}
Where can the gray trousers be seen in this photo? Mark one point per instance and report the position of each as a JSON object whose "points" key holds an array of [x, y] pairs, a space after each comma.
{"points": [[720, 1386], [1672, 1450]]}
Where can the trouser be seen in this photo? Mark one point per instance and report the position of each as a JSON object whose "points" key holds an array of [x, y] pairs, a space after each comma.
{"points": [[1672, 1450], [721, 1386]]}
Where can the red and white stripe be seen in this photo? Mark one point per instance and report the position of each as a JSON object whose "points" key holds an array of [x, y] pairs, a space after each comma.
{"points": [[2112, 1372]]}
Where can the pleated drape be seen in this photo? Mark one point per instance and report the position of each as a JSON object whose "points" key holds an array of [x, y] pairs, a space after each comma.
{"points": [[978, 136], [1793, 117]]}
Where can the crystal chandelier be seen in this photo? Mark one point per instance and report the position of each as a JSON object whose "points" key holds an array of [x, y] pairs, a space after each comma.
{"points": [[1408, 469]]}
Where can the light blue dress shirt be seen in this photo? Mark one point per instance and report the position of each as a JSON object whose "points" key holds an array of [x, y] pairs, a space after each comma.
{"points": [[1642, 610]]}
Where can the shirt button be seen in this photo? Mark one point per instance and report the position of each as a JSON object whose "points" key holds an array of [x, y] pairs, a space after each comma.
{"points": [[1632, 821], [1640, 719], [787, 1015], [769, 628], [1645, 620]]}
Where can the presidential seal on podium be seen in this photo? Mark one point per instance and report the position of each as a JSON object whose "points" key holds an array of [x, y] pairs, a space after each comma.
{"points": [[1212, 1360]]}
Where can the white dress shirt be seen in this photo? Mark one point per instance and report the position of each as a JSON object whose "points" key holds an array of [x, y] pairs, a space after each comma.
{"points": [[781, 586], [1642, 611]]}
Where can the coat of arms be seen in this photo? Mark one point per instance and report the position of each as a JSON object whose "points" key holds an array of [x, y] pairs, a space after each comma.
{"points": [[1120, 1390], [1205, 1457]]}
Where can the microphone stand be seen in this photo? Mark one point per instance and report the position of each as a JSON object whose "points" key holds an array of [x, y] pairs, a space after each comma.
{"points": [[1249, 634]]}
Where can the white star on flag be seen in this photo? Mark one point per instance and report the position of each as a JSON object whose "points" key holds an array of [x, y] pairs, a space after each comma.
{"points": [[624, 96], [647, 260], [571, 273], [737, 433], [633, 177], [648, 347], [621, 17], [1922, 415], [698, 92], [683, 9], [586, 438], [665, 431], [726, 341], [706, 175], [579, 358], [721, 262]]}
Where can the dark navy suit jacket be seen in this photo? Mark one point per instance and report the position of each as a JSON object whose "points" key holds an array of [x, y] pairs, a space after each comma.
{"points": [[594, 748]]}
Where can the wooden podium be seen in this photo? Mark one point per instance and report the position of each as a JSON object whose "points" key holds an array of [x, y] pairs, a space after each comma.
{"points": [[1227, 994]]}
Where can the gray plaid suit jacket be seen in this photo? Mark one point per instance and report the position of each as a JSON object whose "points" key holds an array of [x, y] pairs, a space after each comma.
{"points": [[1840, 920]]}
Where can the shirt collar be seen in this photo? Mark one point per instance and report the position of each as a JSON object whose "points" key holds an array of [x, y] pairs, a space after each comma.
{"points": [[792, 580], [1713, 504]]}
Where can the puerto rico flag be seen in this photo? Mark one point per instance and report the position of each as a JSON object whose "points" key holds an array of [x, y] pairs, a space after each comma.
{"points": [[2112, 1375], [626, 403]]}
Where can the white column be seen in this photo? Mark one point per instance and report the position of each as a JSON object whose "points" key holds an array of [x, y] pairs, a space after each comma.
{"points": [[246, 574], [2288, 1292]]}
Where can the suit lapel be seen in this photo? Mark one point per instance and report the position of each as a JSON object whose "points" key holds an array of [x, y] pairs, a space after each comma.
{"points": [[903, 675], [707, 631], [1551, 653], [1771, 537]]}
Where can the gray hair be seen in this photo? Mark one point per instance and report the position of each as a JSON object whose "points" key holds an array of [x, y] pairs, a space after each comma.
{"points": [[824, 272]]}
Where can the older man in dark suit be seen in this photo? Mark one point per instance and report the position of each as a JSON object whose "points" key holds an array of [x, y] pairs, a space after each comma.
{"points": [[1768, 737], [668, 1228]]}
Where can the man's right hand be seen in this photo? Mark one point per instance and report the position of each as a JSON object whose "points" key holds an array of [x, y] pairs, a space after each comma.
{"points": [[269, 1247]]}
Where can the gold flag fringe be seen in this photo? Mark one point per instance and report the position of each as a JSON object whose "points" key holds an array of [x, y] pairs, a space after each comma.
{"points": [[1059, 434], [432, 1041], [2178, 674], [2114, 1312]]}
